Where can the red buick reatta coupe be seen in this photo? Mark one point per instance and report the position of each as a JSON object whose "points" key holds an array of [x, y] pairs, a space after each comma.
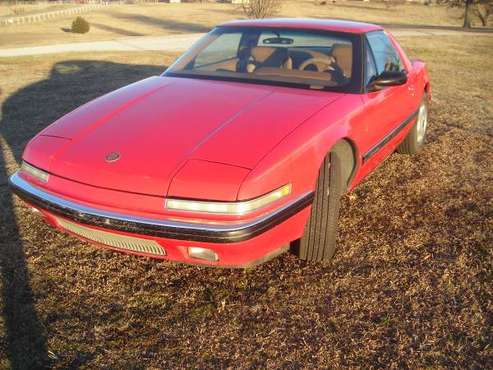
{"points": [[240, 149]]}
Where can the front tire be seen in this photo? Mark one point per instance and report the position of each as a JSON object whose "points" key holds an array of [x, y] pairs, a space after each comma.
{"points": [[319, 240], [416, 137]]}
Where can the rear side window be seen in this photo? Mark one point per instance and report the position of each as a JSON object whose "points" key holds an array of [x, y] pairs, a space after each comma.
{"points": [[386, 57]]}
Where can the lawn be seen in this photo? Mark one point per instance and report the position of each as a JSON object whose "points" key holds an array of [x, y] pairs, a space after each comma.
{"points": [[19, 10], [118, 21], [410, 285]]}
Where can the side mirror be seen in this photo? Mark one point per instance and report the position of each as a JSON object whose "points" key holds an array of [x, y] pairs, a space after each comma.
{"points": [[388, 78]]}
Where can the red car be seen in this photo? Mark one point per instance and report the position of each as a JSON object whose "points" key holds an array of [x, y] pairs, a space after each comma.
{"points": [[240, 149]]}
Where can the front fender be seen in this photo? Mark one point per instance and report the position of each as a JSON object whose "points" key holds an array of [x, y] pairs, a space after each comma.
{"points": [[298, 157]]}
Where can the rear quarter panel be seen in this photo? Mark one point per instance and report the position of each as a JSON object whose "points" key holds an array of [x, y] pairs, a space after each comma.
{"points": [[422, 76], [416, 67]]}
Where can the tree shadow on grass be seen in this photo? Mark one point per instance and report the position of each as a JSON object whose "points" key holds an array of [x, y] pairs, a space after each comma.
{"points": [[117, 30], [164, 23], [24, 113]]}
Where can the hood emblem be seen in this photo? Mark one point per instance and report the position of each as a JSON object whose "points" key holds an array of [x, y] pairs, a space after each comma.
{"points": [[112, 157]]}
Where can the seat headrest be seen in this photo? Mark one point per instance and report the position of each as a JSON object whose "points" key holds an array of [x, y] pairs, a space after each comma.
{"points": [[343, 54], [262, 53]]}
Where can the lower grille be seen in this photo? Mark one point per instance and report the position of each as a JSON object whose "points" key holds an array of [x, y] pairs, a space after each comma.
{"points": [[113, 240]]}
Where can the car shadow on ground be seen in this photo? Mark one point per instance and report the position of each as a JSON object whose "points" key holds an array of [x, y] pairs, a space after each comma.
{"points": [[70, 84]]}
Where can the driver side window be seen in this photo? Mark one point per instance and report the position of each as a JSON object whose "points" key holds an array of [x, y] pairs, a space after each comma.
{"points": [[371, 68], [386, 57]]}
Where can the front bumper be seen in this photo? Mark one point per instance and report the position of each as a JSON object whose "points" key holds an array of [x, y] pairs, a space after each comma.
{"points": [[172, 234]]}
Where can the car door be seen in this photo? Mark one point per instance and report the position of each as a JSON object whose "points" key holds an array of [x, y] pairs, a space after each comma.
{"points": [[385, 111]]}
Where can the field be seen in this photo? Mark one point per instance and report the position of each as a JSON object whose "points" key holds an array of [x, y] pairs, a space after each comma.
{"points": [[117, 21], [410, 286], [12, 10]]}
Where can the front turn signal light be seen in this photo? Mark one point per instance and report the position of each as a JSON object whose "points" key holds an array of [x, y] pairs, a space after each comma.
{"points": [[228, 208], [34, 172]]}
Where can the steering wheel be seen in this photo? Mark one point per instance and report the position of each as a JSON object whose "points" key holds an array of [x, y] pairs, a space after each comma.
{"points": [[319, 63]]}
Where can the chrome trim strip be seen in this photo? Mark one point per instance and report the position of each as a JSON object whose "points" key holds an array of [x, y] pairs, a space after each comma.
{"points": [[218, 233]]}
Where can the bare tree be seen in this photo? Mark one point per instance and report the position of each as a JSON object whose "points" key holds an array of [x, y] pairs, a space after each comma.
{"points": [[483, 10], [261, 8], [480, 8], [467, 15]]}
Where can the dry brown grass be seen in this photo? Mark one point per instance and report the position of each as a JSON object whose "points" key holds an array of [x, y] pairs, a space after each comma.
{"points": [[13, 10], [410, 286], [159, 19]]}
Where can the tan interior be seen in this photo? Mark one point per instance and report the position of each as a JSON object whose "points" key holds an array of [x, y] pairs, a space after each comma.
{"points": [[343, 54], [269, 63], [295, 73], [313, 53], [262, 54]]}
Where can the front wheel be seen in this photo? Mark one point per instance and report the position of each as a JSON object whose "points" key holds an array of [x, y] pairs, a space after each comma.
{"points": [[319, 240], [416, 137]]}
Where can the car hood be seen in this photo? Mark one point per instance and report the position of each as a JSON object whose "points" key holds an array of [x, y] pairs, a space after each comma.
{"points": [[136, 138]]}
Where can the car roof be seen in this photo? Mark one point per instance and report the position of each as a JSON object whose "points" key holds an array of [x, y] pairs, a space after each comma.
{"points": [[307, 23]]}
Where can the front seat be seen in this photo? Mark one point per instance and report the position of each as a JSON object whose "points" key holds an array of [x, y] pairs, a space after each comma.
{"points": [[264, 56], [343, 54]]}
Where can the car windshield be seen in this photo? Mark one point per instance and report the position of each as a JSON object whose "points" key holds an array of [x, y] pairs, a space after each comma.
{"points": [[302, 58]]}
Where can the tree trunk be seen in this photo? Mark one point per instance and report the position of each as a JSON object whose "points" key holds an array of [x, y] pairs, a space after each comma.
{"points": [[467, 15], [482, 13]]}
